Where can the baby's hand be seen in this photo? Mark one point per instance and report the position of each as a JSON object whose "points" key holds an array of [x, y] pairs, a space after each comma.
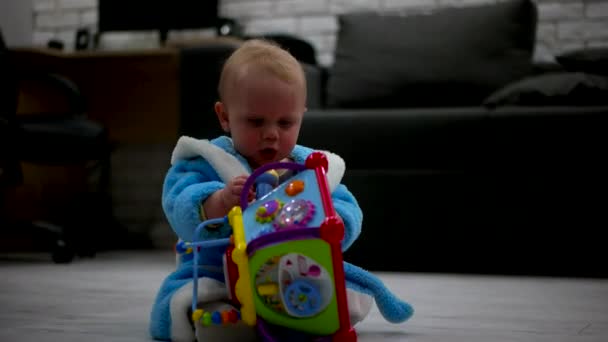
{"points": [[231, 195]]}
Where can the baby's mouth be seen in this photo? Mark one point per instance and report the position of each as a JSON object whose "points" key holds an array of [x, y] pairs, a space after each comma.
{"points": [[268, 153]]}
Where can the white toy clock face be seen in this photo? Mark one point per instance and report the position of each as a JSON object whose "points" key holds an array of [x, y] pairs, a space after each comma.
{"points": [[294, 284]]}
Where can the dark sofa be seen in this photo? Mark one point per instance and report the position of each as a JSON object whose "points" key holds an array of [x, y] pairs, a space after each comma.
{"points": [[465, 156]]}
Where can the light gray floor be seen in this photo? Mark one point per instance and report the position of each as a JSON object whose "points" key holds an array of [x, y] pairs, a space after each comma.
{"points": [[109, 298]]}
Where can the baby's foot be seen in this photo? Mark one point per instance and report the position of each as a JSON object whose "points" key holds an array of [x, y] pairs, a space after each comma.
{"points": [[359, 305], [219, 321]]}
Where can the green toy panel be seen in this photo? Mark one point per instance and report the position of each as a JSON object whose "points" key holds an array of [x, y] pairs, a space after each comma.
{"points": [[293, 286]]}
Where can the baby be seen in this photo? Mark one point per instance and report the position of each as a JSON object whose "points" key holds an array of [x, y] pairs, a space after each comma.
{"points": [[262, 102]]}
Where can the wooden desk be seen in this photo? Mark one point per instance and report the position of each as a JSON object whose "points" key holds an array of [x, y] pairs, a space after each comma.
{"points": [[135, 94]]}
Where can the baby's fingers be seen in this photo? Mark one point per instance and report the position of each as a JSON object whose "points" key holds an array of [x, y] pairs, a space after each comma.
{"points": [[240, 179], [237, 189]]}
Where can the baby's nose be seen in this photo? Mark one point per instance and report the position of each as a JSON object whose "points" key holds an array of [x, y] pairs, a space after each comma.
{"points": [[271, 133]]}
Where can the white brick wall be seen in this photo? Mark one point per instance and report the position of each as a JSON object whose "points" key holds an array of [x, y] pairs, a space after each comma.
{"points": [[311, 7], [43, 5], [459, 3], [563, 23], [582, 30], [59, 19], [341, 6], [597, 9], [556, 11], [260, 25]]}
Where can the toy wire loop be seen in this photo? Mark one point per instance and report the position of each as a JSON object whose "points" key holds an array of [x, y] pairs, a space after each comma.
{"points": [[251, 180]]}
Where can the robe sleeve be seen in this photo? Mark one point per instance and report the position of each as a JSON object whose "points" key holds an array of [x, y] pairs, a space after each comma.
{"points": [[348, 209], [187, 185]]}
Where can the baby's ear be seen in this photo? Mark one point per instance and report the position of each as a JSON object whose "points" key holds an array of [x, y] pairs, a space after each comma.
{"points": [[222, 116]]}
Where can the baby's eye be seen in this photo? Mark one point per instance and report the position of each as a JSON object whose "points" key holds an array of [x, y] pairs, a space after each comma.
{"points": [[256, 122], [285, 123]]}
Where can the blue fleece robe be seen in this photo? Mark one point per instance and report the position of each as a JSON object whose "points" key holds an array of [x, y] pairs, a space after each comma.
{"points": [[189, 182]]}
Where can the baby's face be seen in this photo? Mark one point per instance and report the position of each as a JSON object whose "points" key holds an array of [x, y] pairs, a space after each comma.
{"points": [[263, 115]]}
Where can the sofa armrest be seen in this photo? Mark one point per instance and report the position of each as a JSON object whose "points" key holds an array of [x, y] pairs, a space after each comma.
{"points": [[401, 138], [540, 68]]}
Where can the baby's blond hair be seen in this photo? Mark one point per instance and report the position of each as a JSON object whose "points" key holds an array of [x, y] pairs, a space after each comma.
{"points": [[264, 55]]}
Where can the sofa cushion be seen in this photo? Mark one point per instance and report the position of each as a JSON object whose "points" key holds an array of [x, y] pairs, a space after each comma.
{"points": [[454, 56], [553, 89], [591, 60]]}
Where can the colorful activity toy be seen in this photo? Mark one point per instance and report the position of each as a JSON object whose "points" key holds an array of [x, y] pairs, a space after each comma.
{"points": [[283, 263]]}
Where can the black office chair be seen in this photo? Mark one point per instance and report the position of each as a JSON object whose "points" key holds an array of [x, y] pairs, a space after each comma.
{"points": [[65, 138]]}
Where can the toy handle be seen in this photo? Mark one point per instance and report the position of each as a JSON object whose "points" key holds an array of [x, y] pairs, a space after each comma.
{"points": [[265, 183], [251, 180]]}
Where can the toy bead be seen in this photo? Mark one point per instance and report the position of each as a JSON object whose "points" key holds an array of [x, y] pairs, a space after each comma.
{"points": [[206, 319], [196, 315], [225, 317], [216, 318], [294, 188], [180, 247], [233, 316]]}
